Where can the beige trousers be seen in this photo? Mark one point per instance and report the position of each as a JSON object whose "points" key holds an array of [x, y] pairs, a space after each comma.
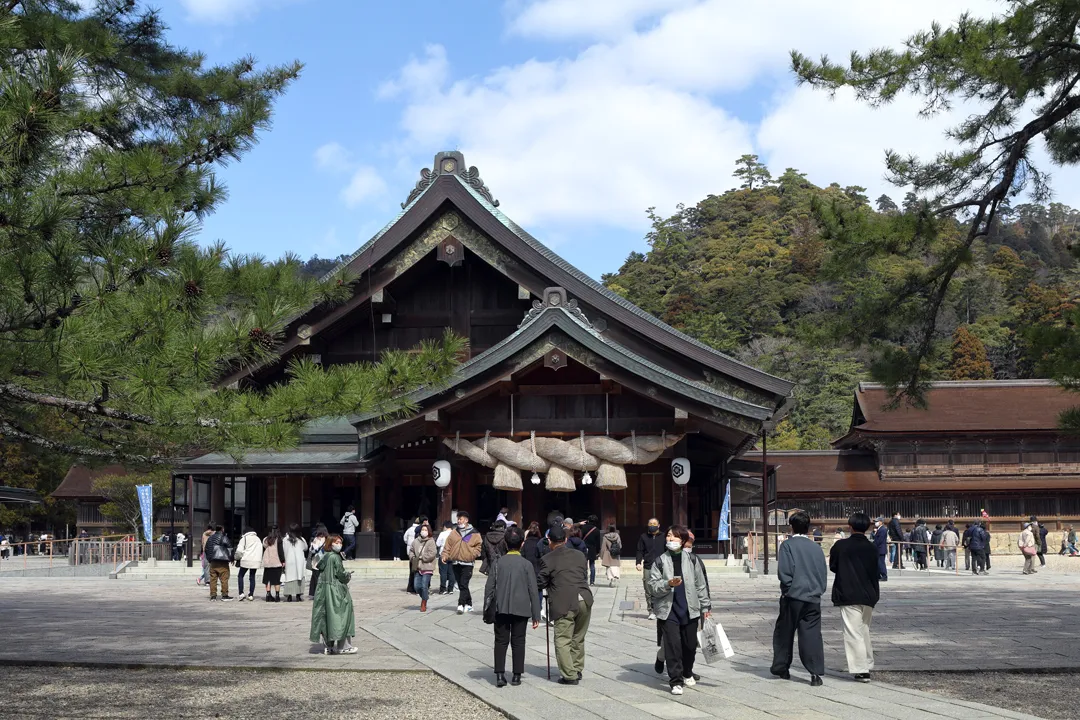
{"points": [[860, 654]]}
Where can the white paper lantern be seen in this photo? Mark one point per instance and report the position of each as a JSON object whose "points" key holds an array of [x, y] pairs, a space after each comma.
{"points": [[680, 471], [535, 479], [440, 473]]}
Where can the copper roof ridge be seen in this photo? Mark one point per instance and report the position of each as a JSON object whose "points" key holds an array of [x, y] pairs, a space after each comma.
{"points": [[941, 384]]}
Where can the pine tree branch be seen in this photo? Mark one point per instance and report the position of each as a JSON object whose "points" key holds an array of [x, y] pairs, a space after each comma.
{"points": [[9, 430], [90, 408]]}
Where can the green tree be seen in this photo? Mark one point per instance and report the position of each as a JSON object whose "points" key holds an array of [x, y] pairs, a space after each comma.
{"points": [[1021, 70], [751, 172], [122, 504], [885, 204], [969, 357], [114, 323], [24, 467]]}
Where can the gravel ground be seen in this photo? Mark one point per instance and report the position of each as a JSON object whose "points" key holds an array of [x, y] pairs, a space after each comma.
{"points": [[44, 693], [1054, 696]]}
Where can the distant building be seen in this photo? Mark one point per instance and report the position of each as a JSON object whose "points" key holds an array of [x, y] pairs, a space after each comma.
{"points": [[992, 445]]}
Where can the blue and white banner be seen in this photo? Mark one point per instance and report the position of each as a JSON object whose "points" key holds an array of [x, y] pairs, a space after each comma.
{"points": [[724, 531], [146, 504]]}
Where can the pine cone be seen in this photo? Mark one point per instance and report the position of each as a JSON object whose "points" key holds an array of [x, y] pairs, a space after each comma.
{"points": [[76, 300], [261, 337], [191, 289], [164, 256], [111, 288]]}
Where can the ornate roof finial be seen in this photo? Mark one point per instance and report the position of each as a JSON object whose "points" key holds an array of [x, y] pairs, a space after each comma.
{"points": [[450, 162]]}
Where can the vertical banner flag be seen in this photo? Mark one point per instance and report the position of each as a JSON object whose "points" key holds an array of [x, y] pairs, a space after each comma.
{"points": [[146, 504], [724, 531]]}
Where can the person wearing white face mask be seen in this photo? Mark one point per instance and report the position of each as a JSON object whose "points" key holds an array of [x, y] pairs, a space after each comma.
{"points": [[424, 553], [680, 597], [332, 619]]}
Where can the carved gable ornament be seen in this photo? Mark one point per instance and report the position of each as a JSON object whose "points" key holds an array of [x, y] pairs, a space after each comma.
{"points": [[451, 251], [555, 298], [450, 163]]}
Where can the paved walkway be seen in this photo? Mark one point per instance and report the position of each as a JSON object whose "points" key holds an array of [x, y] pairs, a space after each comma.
{"points": [[937, 622]]}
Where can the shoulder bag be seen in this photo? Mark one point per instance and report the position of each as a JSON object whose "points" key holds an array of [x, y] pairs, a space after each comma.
{"points": [[490, 605]]}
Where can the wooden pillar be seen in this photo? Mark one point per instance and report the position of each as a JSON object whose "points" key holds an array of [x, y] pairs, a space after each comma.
{"points": [[367, 503], [513, 505], [446, 503], [217, 500], [608, 503]]}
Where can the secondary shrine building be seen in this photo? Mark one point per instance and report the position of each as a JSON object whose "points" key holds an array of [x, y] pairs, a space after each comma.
{"points": [[991, 445], [563, 378]]}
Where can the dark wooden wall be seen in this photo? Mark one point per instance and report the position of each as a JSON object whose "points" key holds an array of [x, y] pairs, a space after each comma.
{"points": [[472, 298]]}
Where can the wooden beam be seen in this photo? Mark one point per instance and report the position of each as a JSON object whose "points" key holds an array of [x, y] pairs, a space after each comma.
{"points": [[571, 389], [566, 426]]}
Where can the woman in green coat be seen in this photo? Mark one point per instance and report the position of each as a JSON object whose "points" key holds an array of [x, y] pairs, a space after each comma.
{"points": [[332, 620]]}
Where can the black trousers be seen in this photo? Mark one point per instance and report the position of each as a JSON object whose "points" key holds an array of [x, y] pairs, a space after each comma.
{"points": [[1042, 558], [510, 632], [804, 617], [314, 582], [462, 576], [680, 648], [978, 561]]}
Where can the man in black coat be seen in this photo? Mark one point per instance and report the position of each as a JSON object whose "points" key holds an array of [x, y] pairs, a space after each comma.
{"points": [[649, 547], [881, 544], [854, 561], [592, 537], [896, 536], [219, 552], [563, 573]]}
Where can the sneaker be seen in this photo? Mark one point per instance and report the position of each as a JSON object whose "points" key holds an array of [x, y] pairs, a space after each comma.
{"points": [[328, 651], [213, 598], [460, 609], [652, 616], [251, 597], [468, 608], [689, 682], [351, 650], [227, 598], [815, 681], [676, 690], [566, 681], [243, 597], [862, 677]]}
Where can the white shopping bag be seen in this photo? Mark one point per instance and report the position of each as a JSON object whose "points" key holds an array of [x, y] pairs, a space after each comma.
{"points": [[714, 641]]}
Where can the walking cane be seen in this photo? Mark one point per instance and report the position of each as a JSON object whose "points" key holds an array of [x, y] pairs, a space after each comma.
{"points": [[547, 636]]}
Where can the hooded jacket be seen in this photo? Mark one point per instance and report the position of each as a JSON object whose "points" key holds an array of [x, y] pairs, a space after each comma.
{"points": [[493, 548], [249, 551], [462, 547]]}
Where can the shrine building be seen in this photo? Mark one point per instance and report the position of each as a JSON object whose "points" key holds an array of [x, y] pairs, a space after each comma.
{"points": [[984, 445], [571, 399]]}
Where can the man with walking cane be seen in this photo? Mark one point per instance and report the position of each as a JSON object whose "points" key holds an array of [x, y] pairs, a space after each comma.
{"points": [[564, 574]]}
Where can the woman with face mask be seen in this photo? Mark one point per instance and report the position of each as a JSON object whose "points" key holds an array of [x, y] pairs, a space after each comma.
{"points": [[423, 555], [680, 597], [332, 620]]}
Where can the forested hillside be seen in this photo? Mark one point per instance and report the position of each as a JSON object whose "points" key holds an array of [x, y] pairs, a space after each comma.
{"points": [[756, 272]]}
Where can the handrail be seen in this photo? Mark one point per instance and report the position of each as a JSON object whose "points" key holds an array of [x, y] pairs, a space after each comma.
{"points": [[79, 551]]}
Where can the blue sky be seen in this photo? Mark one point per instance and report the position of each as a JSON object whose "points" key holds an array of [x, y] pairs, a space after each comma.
{"points": [[579, 114]]}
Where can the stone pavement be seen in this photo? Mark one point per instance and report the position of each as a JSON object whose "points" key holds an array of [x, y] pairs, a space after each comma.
{"points": [[936, 622], [620, 683], [123, 623]]}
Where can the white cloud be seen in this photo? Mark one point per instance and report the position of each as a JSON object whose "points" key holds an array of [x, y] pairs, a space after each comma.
{"points": [[562, 19], [839, 139], [419, 76], [333, 156], [366, 184], [639, 116]]}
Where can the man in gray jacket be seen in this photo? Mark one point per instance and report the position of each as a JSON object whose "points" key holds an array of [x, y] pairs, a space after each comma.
{"points": [[511, 586], [802, 571]]}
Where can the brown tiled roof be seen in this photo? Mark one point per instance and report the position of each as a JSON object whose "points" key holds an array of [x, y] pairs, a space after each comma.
{"points": [[822, 471], [79, 480], [969, 406]]}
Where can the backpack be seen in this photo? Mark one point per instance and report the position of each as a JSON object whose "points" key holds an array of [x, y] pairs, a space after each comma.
{"points": [[615, 548]]}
